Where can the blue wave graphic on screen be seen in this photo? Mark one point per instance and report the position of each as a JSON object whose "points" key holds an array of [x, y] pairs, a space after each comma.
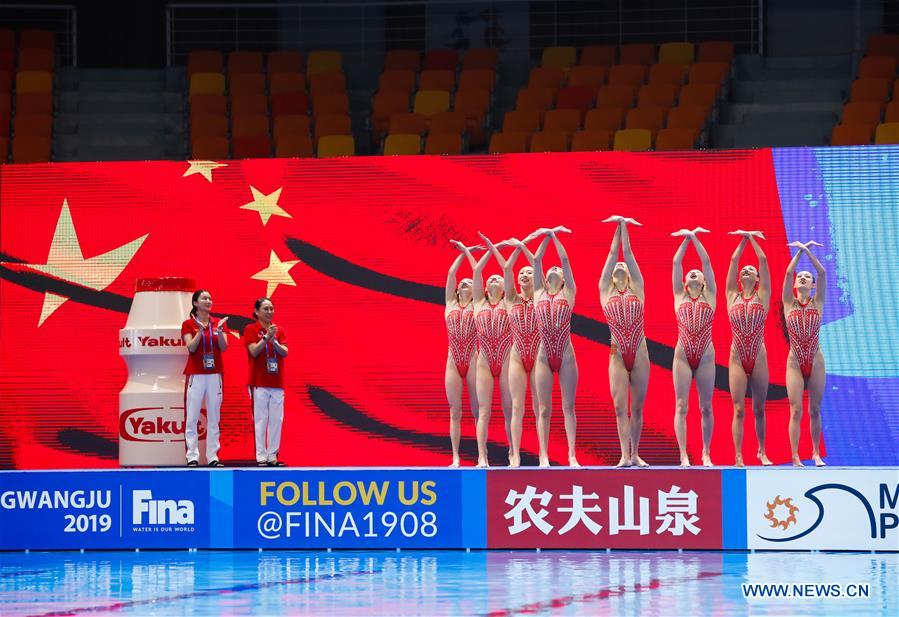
{"points": [[848, 199]]}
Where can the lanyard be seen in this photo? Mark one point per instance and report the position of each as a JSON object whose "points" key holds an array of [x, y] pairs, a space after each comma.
{"points": [[203, 335], [269, 349]]}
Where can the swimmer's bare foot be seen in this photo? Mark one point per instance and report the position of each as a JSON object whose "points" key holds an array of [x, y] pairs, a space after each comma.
{"points": [[819, 462], [514, 462], [544, 461], [454, 464], [738, 461], [764, 458], [482, 463], [707, 460], [636, 461], [684, 460], [572, 461], [624, 462], [797, 462]]}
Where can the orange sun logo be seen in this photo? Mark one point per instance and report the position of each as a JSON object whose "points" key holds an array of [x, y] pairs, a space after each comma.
{"points": [[786, 503]]}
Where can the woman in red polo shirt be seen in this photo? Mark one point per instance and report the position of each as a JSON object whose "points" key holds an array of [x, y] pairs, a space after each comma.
{"points": [[266, 351], [205, 338]]}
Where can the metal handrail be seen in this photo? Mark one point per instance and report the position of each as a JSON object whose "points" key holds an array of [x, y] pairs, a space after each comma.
{"points": [[44, 17]]}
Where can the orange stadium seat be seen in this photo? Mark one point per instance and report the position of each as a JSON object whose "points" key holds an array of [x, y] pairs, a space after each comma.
{"points": [[387, 103], [870, 89], [243, 104], [713, 73], [676, 53], [891, 113], [562, 57], [676, 139], [251, 147], [213, 148], [667, 74], [632, 140], [598, 55], [430, 102], [702, 95], [397, 80], [7, 60], [284, 62], [477, 79], [615, 95], [280, 83], [877, 67], [628, 74], [540, 99], [323, 62], [448, 122], [443, 143], [637, 53], [36, 60], [332, 124], [441, 59], [549, 141], [402, 60], [251, 125], [604, 119], [716, 51], [649, 118], [332, 82], [37, 39], [481, 58], [244, 62], [862, 113], [290, 103], [591, 141], [657, 95], [521, 121], [688, 117], [505, 143], [883, 45], [437, 80], [4, 149], [546, 77], [851, 135], [474, 104], [207, 83], [32, 125], [31, 149], [40, 82], [331, 103], [7, 38], [587, 76], [208, 104], [205, 61], [208, 125], [402, 144], [562, 120], [291, 124], [297, 146], [336, 145], [32, 103], [247, 83], [576, 97], [408, 124]]}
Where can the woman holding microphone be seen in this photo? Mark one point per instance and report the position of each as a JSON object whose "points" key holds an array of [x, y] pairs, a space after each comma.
{"points": [[205, 338], [266, 350]]}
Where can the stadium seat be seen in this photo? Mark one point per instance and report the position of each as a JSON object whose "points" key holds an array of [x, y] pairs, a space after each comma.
{"points": [[208, 125], [608, 119], [387, 103], [481, 58], [336, 145], [40, 82], [869, 89], [331, 103], [402, 144], [562, 57], [657, 95], [402, 60], [632, 140], [250, 125], [587, 76], [6, 106], [448, 122], [628, 74], [562, 120], [331, 82], [549, 141], [877, 67], [4, 150], [598, 55], [702, 95], [441, 59], [208, 104], [437, 80], [687, 117], [851, 135], [883, 45], [209, 148], [521, 121], [430, 102], [31, 149], [862, 113], [298, 146], [204, 62], [637, 53], [667, 74], [284, 62], [36, 60], [716, 51], [649, 118], [32, 125], [615, 95], [505, 143], [244, 62], [397, 80], [291, 124], [539, 99], [477, 79], [591, 141], [577, 97], [37, 39], [546, 77], [887, 133], [30, 103], [474, 104], [279, 83], [7, 38], [247, 83], [676, 139], [676, 53], [443, 143], [891, 113], [251, 147], [324, 62], [7, 60], [713, 73], [207, 83], [408, 124], [245, 104], [332, 124], [290, 103]]}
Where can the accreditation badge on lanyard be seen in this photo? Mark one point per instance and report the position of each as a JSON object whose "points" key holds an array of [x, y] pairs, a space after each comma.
{"points": [[271, 359], [208, 353]]}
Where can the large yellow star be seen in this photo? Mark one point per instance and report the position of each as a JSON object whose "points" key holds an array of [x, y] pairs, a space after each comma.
{"points": [[204, 168], [66, 262], [277, 273], [266, 205]]}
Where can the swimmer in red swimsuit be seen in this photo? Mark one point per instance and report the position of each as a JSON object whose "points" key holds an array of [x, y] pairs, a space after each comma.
{"points": [[459, 316], [748, 298], [805, 362], [694, 355], [494, 344], [621, 295], [525, 337], [554, 295]]}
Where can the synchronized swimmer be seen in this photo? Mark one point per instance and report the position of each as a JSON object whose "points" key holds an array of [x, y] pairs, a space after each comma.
{"points": [[520, 338]]}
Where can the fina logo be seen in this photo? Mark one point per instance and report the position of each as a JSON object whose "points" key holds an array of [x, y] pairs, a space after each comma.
{"points": [[888, 520], [160, 511]]}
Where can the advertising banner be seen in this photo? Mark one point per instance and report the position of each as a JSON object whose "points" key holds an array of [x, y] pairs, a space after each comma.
{"points": [[823, 509], [604, 509]]}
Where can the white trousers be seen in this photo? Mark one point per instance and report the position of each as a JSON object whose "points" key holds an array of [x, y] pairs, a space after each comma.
{"points": [[268, 414], [198, 388]]}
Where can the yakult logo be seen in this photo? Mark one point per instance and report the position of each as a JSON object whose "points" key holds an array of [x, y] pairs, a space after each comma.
{"points": [[160, 511], [150, 341], [157, 424]]}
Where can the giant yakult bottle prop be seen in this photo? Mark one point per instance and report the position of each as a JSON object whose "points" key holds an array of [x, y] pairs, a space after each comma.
{"points": [[151, 405]]}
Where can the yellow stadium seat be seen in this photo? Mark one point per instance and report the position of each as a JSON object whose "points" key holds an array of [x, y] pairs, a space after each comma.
{"points": [[207, 83], [676, 53], [430, 102], [402, 143], [324, 62], [887, 133], [336, 145], [632, 140], [562, 57], [39, 82]]}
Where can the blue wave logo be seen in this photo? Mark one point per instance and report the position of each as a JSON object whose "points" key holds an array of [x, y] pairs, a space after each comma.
{"points": [[811, 494]]}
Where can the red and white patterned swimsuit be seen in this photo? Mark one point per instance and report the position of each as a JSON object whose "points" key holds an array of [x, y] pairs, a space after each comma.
{"points": [[694, 328], [460, 329], [624, 314], [494, 335], [803, 325], [747, 324], [554, 324], [523, 320]]}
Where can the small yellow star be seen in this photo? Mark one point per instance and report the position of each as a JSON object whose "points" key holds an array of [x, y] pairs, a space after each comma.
{"points": [[204, 168], [266, 205], [277, 273]]}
